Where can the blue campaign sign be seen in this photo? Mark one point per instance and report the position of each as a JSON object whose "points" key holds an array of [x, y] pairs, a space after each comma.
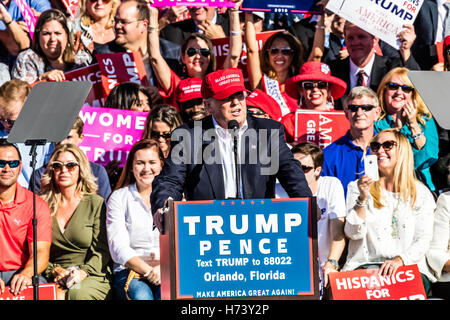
{"points": [[282, 6], [245, 248]]}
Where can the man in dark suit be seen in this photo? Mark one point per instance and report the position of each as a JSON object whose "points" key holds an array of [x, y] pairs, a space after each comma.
{"points": [[201, 17], [201, 166], [363, 59]]}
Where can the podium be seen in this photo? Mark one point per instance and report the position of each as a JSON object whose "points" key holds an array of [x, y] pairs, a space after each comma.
{"points": [[240, 249]]}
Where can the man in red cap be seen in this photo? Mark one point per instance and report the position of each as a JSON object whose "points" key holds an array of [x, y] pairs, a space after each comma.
{"points": [[206, 168], [190, 100]]}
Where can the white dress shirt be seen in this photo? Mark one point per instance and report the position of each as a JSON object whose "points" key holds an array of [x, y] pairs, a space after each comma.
{"points": [[129, 224], [354, 69]]}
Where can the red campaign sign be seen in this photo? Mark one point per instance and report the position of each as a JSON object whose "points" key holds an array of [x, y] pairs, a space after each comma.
{"points": [[46, 292], [367, 284], [222, 48], [71, 6], [92, 73], [320, 127], [121, 67]]}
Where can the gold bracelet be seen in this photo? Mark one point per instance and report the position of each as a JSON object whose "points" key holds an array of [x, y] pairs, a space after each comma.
{"points": [[153, 29]]}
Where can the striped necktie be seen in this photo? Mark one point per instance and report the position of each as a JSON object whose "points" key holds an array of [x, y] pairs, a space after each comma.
{"points": [[361, 78]]}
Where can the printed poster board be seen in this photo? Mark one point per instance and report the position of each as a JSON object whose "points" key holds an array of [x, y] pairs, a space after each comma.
{"points": [[282, 6]]}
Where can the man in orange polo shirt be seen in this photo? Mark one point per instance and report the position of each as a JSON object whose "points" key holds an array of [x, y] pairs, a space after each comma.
{"points": [[16, 230]]}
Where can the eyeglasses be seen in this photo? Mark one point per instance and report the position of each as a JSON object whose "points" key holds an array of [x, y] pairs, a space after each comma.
{"points": [[104, 1], [125, 22], [387, 145], [307, 169], [286, 51], [57, 165], [309, 85], [193, 51], [364, 107], [7, 121], [12, 163], [394, 86], [156, 135]]}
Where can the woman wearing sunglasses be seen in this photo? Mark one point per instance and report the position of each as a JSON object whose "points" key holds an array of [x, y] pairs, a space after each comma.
{"points": [[129, 222], [403, 108], [314, 88], [79, 255], [280, 58], [197, 55], [389, 221], [95, 25], [160, 123]]}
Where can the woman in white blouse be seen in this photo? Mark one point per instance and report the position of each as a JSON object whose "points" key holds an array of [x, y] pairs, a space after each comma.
{"points": [[129, 222], [389, 221]]}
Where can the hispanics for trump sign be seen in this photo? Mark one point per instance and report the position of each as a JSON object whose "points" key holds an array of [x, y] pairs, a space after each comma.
{"points": [[245, 248], [382, 18], [320, 127], [109, 134], [367, 284]]}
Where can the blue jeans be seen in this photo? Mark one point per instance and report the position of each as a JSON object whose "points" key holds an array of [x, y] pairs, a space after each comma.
{"points": [[139, 289]]}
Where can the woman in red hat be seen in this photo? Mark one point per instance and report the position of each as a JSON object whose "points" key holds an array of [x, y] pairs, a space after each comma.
{"points": [[313, 88]]}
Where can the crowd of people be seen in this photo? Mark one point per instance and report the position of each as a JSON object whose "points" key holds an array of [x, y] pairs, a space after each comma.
{"points": [[98, 227]]}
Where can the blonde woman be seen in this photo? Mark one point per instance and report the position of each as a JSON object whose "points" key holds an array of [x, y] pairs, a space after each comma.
{"points": [[403, 108], [79, 255], [389, 221]]}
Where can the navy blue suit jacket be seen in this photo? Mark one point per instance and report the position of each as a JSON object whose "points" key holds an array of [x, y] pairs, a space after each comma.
{"points": [[203, 180]]}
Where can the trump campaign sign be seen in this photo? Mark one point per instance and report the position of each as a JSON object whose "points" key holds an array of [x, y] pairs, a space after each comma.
{"points": [[92, 73], [46, 292], [193, 3], [382, 18], [367, 284], [320, 127], [282, 6], [242, 249], [109, 133]]}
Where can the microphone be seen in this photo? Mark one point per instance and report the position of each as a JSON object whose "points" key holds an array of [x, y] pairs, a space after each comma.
{"points": [[234, 125]]}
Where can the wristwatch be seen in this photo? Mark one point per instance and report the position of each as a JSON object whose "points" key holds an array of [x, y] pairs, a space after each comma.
{"points": [[334, 263]]}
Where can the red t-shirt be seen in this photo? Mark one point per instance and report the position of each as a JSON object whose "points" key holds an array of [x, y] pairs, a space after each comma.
{"points": [[16, 228], [169, 96]]}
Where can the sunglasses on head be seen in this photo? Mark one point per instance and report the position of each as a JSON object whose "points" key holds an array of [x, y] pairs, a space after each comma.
{"points": [[11, 163], [387, 145], [157, 135], [57, 165], [309, 85], [306, 169], [394, 86], [203, 51], [364, 107], [284, 51]]}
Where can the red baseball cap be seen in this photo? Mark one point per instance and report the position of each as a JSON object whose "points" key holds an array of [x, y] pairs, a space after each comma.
{"points": [[188, 89], [446, 42], [266, 103], [223, 83]]}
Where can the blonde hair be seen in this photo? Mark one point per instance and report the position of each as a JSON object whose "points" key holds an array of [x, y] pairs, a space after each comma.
{"points": [[86, 184], [87, 20], [14, 90], [422, 110], [404, 174]]}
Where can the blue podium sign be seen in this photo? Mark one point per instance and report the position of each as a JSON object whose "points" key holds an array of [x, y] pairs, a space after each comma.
{"points": [[246, 248], [282, 6]]}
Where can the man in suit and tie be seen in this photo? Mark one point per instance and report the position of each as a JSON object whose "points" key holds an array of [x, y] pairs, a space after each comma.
{"points": [[206, 168], [364, 67]]}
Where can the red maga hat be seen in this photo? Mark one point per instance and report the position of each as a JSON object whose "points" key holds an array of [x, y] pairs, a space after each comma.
{"points": [[266, 103], [315, 71], [188, 89], [446, 42], [223, 83]]}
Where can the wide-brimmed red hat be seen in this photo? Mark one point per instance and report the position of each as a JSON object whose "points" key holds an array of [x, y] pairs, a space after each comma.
{"points": [[315, 71], [223, 83], [188, 89], [266, 103]]}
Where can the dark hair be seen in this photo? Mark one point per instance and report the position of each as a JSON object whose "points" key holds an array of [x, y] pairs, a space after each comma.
{"points": [[212, 61], [5, 144], [297, 56], [142, 9], [311, 149], [56, 15], [164, 113], [124, 95], [127, 177]]}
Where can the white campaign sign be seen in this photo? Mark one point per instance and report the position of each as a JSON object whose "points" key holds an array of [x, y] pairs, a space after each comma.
{"points": [[382, 18]]}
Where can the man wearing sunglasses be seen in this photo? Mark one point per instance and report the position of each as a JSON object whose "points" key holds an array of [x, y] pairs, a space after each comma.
{"points": [[12, 97], [16, 231], [344, 158], [364, 66], [214, 175]]}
